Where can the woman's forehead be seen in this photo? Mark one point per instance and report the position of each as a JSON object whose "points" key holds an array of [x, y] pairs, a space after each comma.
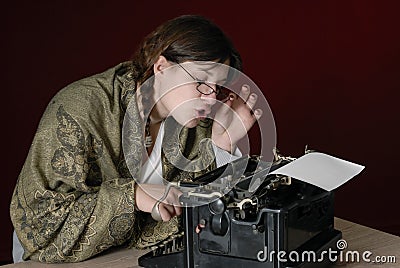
{"points": [[212, 69]]}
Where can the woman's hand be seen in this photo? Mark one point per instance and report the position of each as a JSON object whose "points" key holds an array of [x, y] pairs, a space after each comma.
{"points": [[146, 196], [234, 119]]}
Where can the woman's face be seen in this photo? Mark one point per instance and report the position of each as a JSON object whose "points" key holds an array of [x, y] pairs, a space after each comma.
{"points": [[179, 95]]}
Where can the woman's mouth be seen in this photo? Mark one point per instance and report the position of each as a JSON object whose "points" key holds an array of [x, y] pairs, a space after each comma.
{"points": [[202, 113]]}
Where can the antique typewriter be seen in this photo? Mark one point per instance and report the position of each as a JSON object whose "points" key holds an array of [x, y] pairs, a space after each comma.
{"points": [[238, 215]]}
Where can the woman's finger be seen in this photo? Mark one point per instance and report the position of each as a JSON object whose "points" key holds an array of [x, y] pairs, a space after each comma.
{"points": [[166, 211], [178, 210], [251, 101], [245, 92], [258, 113]]}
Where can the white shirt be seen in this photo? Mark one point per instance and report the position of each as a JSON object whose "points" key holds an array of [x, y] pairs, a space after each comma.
{"points": [[152, 170]]}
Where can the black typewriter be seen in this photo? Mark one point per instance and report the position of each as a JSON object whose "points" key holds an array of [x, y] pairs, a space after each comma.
{"points": [[238, 215]]}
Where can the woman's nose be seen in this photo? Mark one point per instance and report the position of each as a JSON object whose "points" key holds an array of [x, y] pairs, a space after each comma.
{"points": [[209, 99]]}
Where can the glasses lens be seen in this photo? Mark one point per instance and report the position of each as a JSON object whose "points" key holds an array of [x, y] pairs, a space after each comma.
{"points": [[205, 88]]}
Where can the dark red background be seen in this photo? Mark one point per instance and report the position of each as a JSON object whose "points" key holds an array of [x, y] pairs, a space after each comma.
{"points": [[329, 69]]}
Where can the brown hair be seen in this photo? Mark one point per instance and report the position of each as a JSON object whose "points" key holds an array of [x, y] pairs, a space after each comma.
{"points": [[185, 38]]}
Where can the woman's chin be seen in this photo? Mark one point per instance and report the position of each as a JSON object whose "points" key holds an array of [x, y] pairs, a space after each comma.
{"points": [[190, 122]]}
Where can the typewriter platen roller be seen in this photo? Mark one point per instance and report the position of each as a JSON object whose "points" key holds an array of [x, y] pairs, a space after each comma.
{"points": [[239, 216]]}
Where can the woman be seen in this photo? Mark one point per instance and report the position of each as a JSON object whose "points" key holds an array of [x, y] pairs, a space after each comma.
{"points": [[77, 193]]}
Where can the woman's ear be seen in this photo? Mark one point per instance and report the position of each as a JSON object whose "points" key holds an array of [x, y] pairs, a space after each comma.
{"points": [[160, 64]]}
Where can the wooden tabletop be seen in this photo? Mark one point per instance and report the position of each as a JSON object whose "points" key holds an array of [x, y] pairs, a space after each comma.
{"points": [[357, 237], [363, 239]]}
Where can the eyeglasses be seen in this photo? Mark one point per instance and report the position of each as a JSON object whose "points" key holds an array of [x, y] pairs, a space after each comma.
{"points": [[200, 82]]}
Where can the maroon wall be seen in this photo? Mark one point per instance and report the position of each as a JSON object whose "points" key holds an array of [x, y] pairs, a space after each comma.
{"points": [[329, 69]]}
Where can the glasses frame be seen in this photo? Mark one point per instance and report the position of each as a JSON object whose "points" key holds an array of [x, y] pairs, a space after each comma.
{"points": [[200, 82]]}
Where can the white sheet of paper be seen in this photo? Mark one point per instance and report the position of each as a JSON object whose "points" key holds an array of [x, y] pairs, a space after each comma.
{"points": [[321, 170]]}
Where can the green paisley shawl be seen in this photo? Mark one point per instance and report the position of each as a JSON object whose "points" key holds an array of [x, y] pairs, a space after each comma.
{"points": [[74, 197]]}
